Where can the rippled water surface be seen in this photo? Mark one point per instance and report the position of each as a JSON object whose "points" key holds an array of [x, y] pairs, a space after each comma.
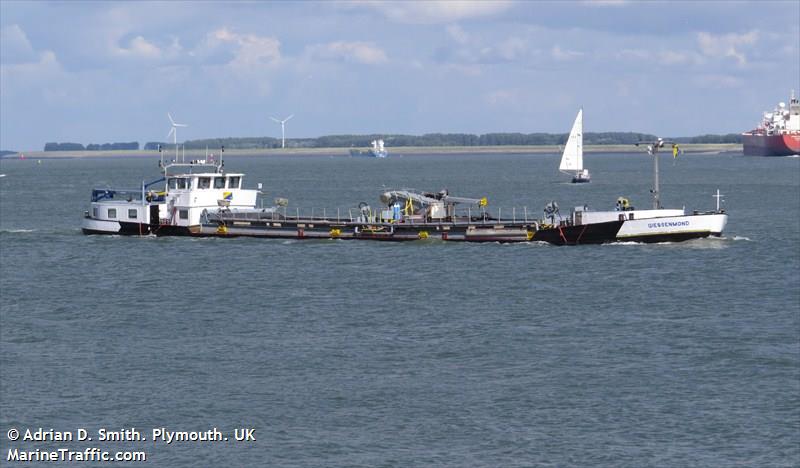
{"points": [[414, 354]]}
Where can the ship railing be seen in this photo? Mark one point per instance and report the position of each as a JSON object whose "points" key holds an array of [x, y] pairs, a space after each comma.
{"points": [[116, 194], [465, 217]]}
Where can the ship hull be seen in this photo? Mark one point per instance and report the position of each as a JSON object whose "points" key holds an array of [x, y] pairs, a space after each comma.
{"points": [[672, 228], [368, 153], [664, 229], [656, 229], [91, 226], [770, 145]]}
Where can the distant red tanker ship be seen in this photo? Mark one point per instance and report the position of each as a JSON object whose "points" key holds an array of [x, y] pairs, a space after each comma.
{"points": [[778, 134]]}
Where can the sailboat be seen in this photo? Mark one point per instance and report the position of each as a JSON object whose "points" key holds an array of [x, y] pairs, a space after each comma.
{"points": [[572, 157]]}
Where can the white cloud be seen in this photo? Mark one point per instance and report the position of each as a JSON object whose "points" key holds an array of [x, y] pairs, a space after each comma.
{"points": [[479, 50], [563, 55], [24, 71], [663, 57], [436, 11], [457, 33], [726, 45], [126, 33], [15, 46], [248, 50], [674, 57], [357, 52], [46, 64], [637, 54], [46, 78], [718, 81], [140, 48], [501, 97], [456, 69], [238, 62], [512, 49]]}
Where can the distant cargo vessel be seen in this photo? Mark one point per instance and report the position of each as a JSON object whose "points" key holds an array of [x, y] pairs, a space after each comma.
{"points": [[378, 150], [778, 134]]}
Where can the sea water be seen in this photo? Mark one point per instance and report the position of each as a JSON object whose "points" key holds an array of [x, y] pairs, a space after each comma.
{"points": [[427, 353]]}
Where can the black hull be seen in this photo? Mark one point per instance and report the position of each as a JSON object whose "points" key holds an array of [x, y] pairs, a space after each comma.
{"points": [[140, 229], [509, 232], [598, 233]]}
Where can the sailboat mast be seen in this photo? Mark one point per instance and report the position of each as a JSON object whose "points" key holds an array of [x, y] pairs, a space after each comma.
{"points": [[656, 200], [580, 145]]}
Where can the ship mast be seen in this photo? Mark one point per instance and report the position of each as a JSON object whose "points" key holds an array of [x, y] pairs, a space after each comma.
{"points": [[656, 199], [652, 149]]}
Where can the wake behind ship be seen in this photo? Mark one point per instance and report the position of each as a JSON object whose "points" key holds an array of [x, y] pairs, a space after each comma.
{"points": [[778, 134]]}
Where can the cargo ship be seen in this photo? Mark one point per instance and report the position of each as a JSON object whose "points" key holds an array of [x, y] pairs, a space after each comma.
{"points": [[778, 134], [378, 150], [199, 198]]}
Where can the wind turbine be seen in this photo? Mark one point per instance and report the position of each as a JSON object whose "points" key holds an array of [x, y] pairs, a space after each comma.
{"points": [[283, 129], [174, 132]]}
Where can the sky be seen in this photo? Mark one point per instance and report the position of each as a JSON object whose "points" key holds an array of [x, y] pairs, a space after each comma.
{"points": [[98, 72]]}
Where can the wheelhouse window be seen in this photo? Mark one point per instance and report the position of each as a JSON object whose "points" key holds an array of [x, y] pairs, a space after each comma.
{"points": [[233, 182], [132, 213], [172, 183], [94, 212], [112, 213], [203, 182], [184, 214], [219, 182], [181, 183]]}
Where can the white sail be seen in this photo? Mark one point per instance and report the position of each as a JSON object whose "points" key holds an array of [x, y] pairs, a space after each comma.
{"points": [[572, 158]]}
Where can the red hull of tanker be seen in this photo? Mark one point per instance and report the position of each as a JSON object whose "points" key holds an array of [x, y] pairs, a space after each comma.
{"points": [[771, 145]]}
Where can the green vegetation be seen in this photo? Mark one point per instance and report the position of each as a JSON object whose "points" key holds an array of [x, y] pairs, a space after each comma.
{"points": [[441, 139], [134, 145], [712, 139], [63, 147], [397, 141]]}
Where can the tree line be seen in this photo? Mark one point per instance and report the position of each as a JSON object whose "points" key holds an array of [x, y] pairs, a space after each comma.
{"points": [[399, 140], [52, 146], [441, 139]]}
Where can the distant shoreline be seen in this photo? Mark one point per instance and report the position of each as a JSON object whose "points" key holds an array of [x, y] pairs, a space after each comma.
{"points": [[345, 152]]}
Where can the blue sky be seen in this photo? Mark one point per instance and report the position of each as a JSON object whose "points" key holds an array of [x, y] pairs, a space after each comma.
{"points": [[99, 72]]}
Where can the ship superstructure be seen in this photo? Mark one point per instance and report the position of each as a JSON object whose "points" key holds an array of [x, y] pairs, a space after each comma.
{"points": [[377, 150], [170, 204]]}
